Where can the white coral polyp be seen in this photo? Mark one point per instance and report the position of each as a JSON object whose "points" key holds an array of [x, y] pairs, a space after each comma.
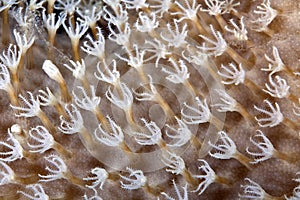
{"points": [[135, 180], [274, 116]]}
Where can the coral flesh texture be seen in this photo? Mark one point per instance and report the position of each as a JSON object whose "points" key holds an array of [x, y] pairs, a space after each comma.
{"points": [[149, 99]]}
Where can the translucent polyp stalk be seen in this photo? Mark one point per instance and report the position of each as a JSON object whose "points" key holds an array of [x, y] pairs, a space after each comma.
{"points": [[291, 124], [151, 190], [5, 29], [129, 117], [162, 144], [73, 22], [46, 122], [62, 151], [61, 111], [284, 156], [86, 85], [254, 88], [221, 21], [50, 6], [26, 180], [12, 95], [51, 38], [19, 73], [199, 26], [30, 157], [237, 14], [75, 49], [269, 32], [94, 31], [196, 142], [125, 147], [29, 60], [142, 75], [189, 177], [193, 90], [238, 59], [216, 122], [86, 136], [15, 80], [246, 115], [243, 159], [289, 71], [101, 118], [114, 176], [222, 180], [165, 106], [65, 95], [74, 180]]}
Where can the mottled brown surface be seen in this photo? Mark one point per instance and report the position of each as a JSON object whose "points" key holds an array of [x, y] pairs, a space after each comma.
{"points": [[274, 175]]}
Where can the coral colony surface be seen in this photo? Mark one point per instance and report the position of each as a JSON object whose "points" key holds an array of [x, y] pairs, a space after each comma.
{"points": [[150, 99]]}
